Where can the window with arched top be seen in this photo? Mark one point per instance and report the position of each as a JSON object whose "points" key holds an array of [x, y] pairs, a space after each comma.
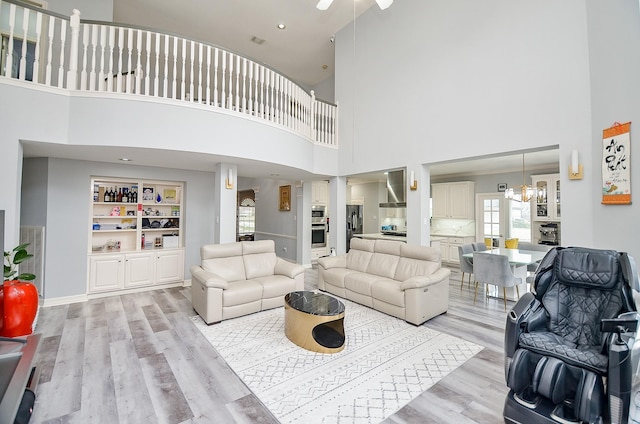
{"points": [[246, 219]]}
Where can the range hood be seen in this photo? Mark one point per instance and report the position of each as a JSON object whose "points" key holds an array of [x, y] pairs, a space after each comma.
{"points": [[395, 190]]}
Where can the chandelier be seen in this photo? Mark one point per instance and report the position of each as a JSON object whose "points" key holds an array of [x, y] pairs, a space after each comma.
{"points": [[521, 193], [324, 4]]}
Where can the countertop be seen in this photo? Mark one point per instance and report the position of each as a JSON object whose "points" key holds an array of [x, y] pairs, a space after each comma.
{"points": [[442, 236], [380, 236]]}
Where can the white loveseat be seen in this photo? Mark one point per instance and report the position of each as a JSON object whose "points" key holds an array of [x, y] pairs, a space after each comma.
{"points": [[401, 280], [236, 279]]}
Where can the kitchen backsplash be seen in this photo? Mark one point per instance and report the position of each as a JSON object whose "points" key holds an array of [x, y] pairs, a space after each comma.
{"points": [[453, 227]]}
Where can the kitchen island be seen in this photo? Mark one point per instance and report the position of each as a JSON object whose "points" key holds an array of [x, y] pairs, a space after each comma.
{"points": [[380, 236]]}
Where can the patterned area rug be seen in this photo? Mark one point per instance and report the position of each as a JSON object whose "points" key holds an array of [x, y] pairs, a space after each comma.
{"points": [[385, 364]]}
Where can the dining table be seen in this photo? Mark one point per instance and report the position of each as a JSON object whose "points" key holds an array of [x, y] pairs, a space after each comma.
{"points": [[519, 259]]}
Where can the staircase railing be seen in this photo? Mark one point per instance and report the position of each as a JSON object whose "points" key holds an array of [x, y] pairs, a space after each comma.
{"points": [[68, 53]]}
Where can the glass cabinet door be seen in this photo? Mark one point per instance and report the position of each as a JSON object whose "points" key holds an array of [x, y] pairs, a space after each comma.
{"points": [[542, 209]]}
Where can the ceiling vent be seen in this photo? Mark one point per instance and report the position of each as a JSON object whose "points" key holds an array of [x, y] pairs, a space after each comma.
{"points": [[258, 41]]}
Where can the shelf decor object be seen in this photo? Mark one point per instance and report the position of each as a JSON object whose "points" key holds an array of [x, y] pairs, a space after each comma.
{"points": [[616, 165], [18, 297]]}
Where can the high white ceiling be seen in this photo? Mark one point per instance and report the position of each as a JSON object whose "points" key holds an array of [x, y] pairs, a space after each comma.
{"points": [[299, 52]]}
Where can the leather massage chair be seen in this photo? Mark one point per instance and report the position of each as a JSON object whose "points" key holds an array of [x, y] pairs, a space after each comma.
{"points": [[571, 354]]}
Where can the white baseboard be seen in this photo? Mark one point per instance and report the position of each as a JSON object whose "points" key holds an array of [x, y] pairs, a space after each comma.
{"points": [[57, 301]]}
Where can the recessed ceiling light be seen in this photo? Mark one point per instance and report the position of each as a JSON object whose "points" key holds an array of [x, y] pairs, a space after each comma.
{"points": [[281, 26], [125, 159]]}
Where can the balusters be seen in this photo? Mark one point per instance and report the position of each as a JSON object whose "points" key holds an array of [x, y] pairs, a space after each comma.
{"points": [[223, 96], [262, 105], [215, 77], [208, 75], [12, 18], [138, 72], [256, 93], [175, 67], [63, 39], [120, 46], [230, 89], [103, 47], [47, 79], [36, 59], [86, 29], [183, 94], [147, 73], [244, 85], [200, 49], [191, 60], [23, 55], [237, 105], [94, 44], [129, 54], [111, 47]]}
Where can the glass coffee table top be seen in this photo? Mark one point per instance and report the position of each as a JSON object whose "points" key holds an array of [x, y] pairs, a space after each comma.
{"points": [[314, 303]]}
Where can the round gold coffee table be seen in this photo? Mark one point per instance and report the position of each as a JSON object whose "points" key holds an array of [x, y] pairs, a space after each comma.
{"points": [[314, 321]]}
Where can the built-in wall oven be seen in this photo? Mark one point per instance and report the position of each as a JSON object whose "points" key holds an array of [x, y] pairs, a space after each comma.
{"points": [[318, 226], [318, 235]]}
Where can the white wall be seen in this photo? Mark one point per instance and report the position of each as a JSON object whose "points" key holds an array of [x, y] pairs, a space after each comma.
{"points": [[95, 10], [68, 185], [431, 81], [614, 40]]}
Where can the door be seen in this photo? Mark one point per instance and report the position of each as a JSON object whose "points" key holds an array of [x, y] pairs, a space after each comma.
{"points": [[490, 217]]}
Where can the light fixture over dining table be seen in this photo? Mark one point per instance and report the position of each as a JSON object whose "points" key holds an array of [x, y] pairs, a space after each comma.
{"points": [[324, 4], [521, 193]]}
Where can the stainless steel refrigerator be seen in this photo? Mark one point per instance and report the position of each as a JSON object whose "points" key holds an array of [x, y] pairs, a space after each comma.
{"points": [[354, 222]]}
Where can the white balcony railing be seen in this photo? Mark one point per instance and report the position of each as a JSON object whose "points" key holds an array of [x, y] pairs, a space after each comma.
{"points": [[70, 54]]}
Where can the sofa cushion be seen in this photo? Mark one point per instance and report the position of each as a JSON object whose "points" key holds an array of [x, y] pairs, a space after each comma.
{"points": [[276, 285], [360, 254], [417, 260], [383, 265], [360, 282], [224, 260], [259, 258], [388, 291], [240, 292], [335, 276]]}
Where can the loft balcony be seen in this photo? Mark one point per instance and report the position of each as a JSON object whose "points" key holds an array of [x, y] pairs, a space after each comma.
{"points": [[52, 51]]}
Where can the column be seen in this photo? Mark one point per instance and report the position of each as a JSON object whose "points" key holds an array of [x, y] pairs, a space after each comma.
{"points": [[225, 197]]}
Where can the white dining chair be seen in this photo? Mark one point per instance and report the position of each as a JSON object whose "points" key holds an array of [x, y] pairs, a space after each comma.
{"points": [[494, 269]]}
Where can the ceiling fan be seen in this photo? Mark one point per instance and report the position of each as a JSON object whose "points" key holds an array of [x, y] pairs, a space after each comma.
{"points": [[324, 4]]}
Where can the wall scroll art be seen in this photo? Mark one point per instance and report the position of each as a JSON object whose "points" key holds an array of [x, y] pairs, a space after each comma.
{"points": [[616, 165]]}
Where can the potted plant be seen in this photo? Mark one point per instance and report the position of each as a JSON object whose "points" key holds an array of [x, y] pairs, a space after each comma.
{"points": [[18, 297]]}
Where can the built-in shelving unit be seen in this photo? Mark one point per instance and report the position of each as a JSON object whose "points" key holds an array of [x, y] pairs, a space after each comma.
{"points": [[135, 234]]}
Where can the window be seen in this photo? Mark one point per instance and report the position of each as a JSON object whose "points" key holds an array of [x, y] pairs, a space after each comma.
{"points": [[520, 220], [491, 218], [246, 218]]}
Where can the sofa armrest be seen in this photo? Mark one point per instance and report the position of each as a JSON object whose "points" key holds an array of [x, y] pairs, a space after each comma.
{"points": [[333, 262], [288, 269], [420, 281], [208, 279]]}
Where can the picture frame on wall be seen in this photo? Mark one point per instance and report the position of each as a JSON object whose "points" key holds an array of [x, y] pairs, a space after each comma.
{"points": [[502, 186], [285, 198]]}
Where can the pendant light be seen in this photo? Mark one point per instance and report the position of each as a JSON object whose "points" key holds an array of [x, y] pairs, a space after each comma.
{"points": [[521, 193], [324, 4]]}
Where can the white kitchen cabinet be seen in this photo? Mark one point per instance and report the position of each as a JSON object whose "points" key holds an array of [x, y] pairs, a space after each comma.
{"points": [[449, 248], [320, 192], [106, 272], [546, 202], [453, 200]]}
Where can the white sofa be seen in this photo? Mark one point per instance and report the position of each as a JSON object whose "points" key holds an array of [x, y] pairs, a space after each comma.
{"points": [[236, 279], [393, 277]]}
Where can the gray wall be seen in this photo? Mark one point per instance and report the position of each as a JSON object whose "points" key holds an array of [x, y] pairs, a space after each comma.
{"points": [[67, 210], [95, 10]]}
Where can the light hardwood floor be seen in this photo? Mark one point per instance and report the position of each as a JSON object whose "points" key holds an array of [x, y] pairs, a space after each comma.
{"points": [[137, 358]]}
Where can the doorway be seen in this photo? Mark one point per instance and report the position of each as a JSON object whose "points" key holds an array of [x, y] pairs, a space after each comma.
{"points": [[490, 217], [246, 216]]}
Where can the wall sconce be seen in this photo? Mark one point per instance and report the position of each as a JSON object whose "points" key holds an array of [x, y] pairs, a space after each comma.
{"points": [[229, 181], [413, 182], [575, 168]]}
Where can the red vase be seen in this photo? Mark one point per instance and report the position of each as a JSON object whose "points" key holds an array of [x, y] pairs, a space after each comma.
{"points": [[18, 308]]}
